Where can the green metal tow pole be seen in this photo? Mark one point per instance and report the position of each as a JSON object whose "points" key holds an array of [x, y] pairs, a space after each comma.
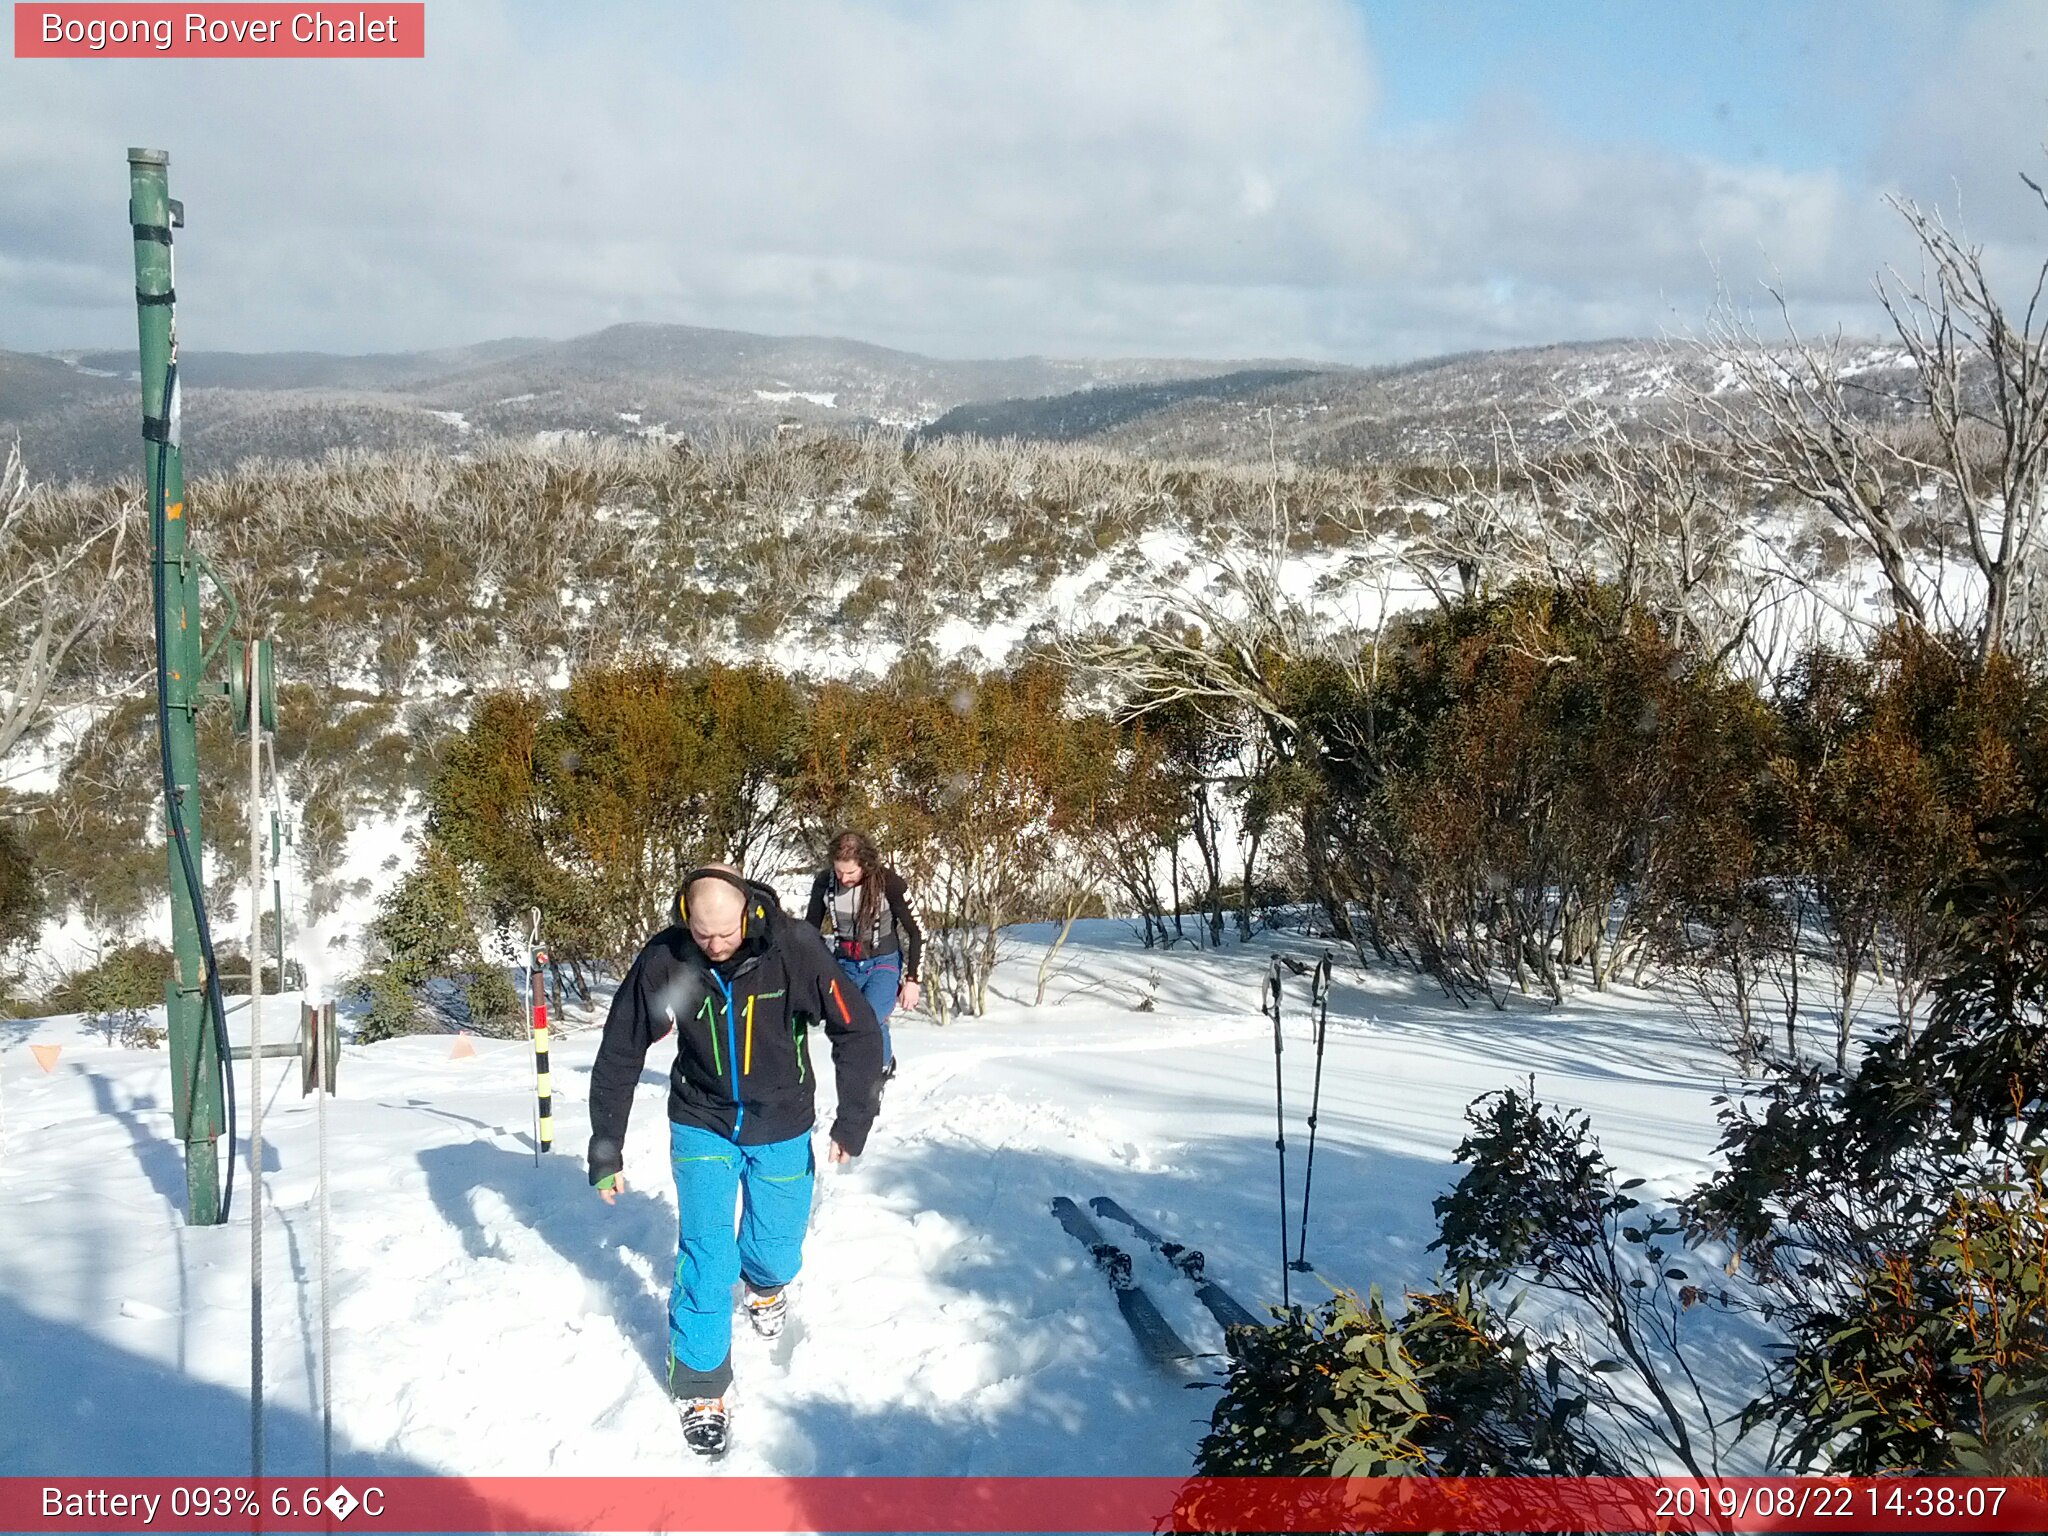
{"points": [[196, 1099]]}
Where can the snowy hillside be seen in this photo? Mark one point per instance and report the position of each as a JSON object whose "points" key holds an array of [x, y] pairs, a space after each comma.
{"points": [[491, 1316], [74, 410], [1453, 405]]}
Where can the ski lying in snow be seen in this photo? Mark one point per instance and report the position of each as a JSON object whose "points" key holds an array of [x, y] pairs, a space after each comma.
{"points": [[1156, 1338], [1223, 1306]]}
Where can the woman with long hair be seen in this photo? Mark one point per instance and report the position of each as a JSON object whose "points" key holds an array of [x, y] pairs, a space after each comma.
{"points": [[863, 907]]}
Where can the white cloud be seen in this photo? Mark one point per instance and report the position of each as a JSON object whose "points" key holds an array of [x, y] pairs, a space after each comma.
{"points": [[1057, 176], [1975, 121]]}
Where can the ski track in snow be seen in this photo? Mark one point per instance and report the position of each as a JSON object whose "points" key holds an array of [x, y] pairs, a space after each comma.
{"points": [[492, 1316]]}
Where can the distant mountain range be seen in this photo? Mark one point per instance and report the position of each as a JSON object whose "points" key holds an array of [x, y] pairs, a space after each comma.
{"points": [[78, 412]]}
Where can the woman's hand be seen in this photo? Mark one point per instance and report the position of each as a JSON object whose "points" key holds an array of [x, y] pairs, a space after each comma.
{"points": [[908, 994]]}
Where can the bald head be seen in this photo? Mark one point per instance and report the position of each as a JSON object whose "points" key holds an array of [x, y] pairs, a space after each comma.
{"points": [[717, 909]]}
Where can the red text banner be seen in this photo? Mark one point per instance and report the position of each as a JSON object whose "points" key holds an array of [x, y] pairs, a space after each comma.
{"points": [[1063, 1504], [238, 31]]}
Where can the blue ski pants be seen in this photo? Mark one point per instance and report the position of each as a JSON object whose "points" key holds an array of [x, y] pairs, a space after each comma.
{"points": [[878, 980], [772, 1185]]}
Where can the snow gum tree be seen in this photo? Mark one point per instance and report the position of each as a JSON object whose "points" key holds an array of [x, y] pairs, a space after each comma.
{"points": [[1945, 477], [976, 788], [593, 806], [1513, 778]]}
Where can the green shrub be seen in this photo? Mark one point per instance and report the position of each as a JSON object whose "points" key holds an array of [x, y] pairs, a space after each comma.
{"points": [[493, 1003], [393, 1009], [422, 925], [21, 896], [1448, 1388], [1895, 1218], [117, 990], [1939, 1360]]}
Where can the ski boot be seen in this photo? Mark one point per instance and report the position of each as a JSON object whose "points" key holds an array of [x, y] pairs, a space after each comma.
{"points": [[767, 1311], [707, 1427]]}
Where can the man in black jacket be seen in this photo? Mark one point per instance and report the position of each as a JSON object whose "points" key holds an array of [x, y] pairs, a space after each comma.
{"points": [[739, 982]]}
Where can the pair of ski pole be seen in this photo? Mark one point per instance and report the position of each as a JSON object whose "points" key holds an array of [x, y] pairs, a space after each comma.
{"points": [[1319, 1002]]}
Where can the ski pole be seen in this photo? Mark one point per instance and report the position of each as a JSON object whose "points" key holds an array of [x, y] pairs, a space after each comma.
{"points": [[325, 1034], [537, 1014], [255, 724], [1271, 1005], [1321, 996]]}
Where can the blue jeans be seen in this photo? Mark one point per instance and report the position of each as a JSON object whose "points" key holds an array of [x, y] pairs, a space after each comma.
{"points": [[768, 1249], [878, 980]]}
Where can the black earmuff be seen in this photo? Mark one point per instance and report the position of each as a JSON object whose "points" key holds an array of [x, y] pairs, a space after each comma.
{"points": [[712, 872]]}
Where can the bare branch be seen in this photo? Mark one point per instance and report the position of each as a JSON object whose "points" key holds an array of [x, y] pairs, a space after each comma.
{"points": [[1958, 460], [55, 587]]}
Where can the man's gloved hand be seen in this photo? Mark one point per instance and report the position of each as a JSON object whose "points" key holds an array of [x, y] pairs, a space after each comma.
{"points": [[610, 1186]]}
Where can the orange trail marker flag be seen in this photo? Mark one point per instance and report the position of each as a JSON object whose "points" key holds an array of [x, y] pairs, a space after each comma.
{"points": [[463, 1047], [46, 1056]]}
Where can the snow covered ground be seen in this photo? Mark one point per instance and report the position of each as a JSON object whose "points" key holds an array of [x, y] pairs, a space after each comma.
{"points": [[491, 1316]]}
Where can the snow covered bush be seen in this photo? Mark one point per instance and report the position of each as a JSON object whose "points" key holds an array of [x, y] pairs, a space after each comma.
{"points": [[118, 990], [1893, 1220], [1504, 782], [1464, 1384], [1538, 1209], [1938, 1359], [1446, 1387], [428, 962], [64, 560]]}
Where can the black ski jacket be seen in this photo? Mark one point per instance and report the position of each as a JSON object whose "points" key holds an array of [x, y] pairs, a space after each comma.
{"points": [[896, 926], [743, 1065]]}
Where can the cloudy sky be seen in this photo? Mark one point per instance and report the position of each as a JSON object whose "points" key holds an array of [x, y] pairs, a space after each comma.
{"points": [[1340, 179]]}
